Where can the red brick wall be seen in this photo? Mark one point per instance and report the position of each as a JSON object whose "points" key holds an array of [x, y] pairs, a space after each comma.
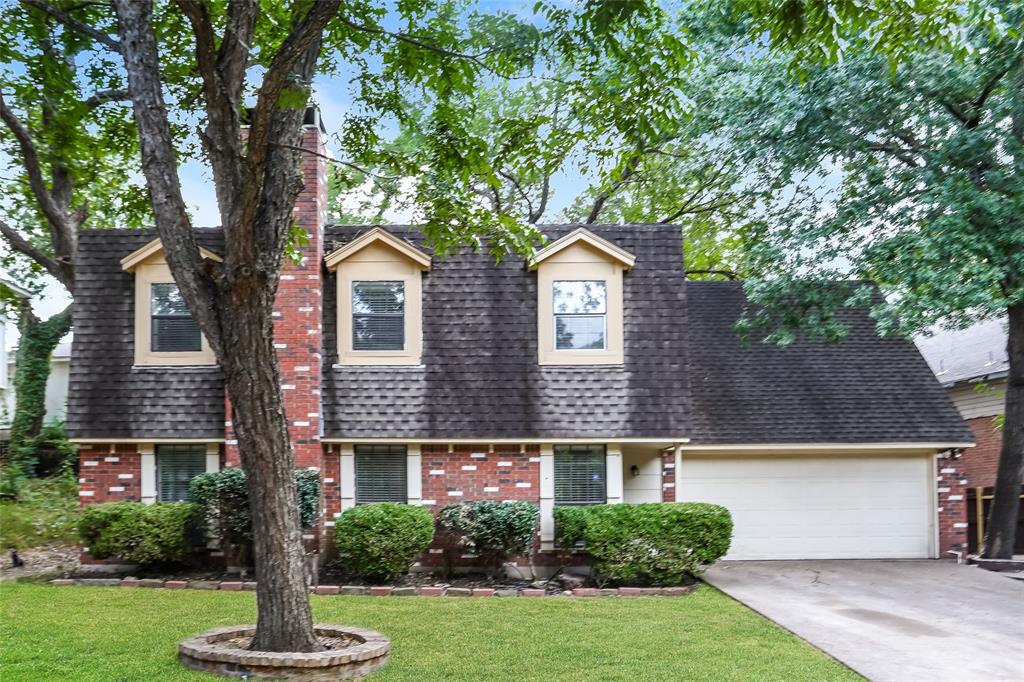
{"points": [[297, 316], [981, 462], [474, 472], [952, 505], [668, 476], [109, 473]]}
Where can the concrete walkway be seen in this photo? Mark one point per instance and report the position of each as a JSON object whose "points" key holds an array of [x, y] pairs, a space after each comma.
{"points": [[891, 620]]}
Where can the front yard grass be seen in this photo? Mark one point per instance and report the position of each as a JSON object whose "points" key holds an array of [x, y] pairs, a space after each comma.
{"points": [[95, 633]]}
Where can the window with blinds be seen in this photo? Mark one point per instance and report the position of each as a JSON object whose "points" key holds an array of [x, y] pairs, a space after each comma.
{"points": [[176, 466], [580, 308], [378, 315], [580, 474], [172, 329], [381, 473]]}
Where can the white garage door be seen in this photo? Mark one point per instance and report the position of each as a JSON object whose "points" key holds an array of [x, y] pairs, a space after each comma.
{"points": [[818, 507]]}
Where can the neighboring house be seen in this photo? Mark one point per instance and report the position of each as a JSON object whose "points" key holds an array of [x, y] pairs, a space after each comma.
{"points": [[15, 292], [56, 386], [972, 365], [594, 373]]}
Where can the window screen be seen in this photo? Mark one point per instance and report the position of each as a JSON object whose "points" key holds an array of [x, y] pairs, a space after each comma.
{"points": [[380, 473], [579, 474], [378, 315], [176, 466], [581, 311], [172, 328]]}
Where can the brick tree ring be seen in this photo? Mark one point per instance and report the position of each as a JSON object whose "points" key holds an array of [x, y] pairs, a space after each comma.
{"points": [[354, 654]]}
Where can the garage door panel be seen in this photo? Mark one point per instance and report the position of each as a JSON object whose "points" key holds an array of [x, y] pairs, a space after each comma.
{"points": [[818, 507]]}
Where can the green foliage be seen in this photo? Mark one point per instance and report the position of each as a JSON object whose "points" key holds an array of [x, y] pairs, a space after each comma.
{"points": [[223, 501], [144, 534], [32, 369], [493, 530], [656, 544], [380, 541], [38, 511]]}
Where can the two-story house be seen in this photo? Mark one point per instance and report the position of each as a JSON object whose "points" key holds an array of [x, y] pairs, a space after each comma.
{"points": [[592, 373]]}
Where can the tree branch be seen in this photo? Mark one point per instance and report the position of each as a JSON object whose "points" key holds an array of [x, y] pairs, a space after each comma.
{"points": [[61, 271], [63, 234], [331, 159], [104, 96], [159, 163], [74, 24], [631, 166], [728, 274]]}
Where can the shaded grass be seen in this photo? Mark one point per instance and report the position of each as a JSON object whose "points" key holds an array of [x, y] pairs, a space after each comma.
{"points": [[47, 511], [87, 633]]}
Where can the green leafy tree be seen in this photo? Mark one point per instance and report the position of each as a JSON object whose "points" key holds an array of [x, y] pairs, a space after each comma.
{"points": [[68, 152], [206, 61], [912, 178]]}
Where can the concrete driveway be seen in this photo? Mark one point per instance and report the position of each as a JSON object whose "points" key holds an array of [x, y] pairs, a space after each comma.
{"points": [[891, 620]]}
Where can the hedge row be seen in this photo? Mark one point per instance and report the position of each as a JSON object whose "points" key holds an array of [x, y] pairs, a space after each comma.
{"points": [[652, 544]]}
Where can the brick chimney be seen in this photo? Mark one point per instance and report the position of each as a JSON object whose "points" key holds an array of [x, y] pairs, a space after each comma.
{"points": [[297, 311]]}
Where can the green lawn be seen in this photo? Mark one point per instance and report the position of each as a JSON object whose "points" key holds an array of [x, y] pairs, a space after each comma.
{"points": [[95, 633]]}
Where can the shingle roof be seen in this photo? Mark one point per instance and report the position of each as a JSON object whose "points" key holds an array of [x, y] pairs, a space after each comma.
{"points": [[686, 373], [865, 389], [978, 352], [480, 376], [107, 396]]}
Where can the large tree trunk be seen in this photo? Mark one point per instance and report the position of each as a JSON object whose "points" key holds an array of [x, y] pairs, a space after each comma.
{"points": [[35, 347], [1002, 520], [284, 620]]}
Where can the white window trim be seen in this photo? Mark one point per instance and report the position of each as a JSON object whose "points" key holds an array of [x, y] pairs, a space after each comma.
{"points": [[555, 315], [150, 267], [579, 262], [147, 478], [380, 257], [413, 476]]}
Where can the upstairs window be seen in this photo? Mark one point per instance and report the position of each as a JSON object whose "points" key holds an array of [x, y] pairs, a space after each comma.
{"points": [[580, 474], [378, 316], [381, 472], [172, 329], [580, 310], [176, 466]]}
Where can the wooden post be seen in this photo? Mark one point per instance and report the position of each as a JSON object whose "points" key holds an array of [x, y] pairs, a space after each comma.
{"points": [[979, 514]]}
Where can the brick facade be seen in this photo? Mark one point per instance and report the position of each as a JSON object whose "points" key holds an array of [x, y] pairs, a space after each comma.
{"points": [[109, 473], [951, 504], [480, 472], [982, 461], [668, 476], [298, 313]]}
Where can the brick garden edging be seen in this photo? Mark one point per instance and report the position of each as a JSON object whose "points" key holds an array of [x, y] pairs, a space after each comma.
{"points": [[383, 590]]}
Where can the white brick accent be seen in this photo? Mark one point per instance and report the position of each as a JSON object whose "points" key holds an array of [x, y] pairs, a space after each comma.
{"points": [[280, 345], [491, 489], [300, 423], [287, 387], [111, 459], [504, 464], [523, 484], [305, 309], [437, 472], [91, 463], [328, 480], [955, 497], [943, 490], [535, 459], [469, 467], [479, 455], [433, 550], [126, 476], [428, 503], [116, 489], [302, 368], [948, 471], [959, 525], [668, 485], [454, 493], [329, 524], [85, 493]]}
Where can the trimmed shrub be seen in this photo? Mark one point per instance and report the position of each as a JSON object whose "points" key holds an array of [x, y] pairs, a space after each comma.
{"points": [[493, 530], [224, 503], [380, 541], [140, 533], [654, 544]]}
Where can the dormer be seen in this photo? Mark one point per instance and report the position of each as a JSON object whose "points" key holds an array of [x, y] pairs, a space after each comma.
{"points": [[165, 333], [380, 299], [579, 300]]}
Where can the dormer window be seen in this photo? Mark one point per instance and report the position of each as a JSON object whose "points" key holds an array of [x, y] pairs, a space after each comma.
{"points": [[380, 285], [165, 333], [581, 314], [172, 329], [378, 315], [579, 300]]}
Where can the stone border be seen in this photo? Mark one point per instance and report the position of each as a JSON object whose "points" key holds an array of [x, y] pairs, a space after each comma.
{"points": [[385, 590], [353, 662]]}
